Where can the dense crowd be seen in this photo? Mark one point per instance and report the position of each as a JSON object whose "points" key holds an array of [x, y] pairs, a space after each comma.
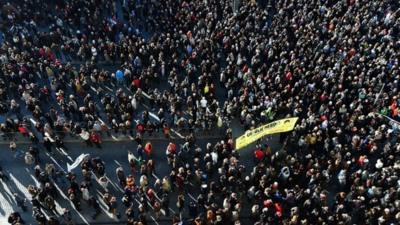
{"points": [[333, 64]]}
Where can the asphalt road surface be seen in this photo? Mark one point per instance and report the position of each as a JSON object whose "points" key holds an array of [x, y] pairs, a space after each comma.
{"points": [[114, 154]]}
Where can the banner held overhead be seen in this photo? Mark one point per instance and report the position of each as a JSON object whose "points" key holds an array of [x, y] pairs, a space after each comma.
{"points": [[278, 126]]}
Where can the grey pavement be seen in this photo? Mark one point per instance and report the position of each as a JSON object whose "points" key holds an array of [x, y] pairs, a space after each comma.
{"points": [[114, 154]]}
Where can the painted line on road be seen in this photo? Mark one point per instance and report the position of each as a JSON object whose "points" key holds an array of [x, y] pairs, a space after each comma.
{"points": [[72, 204], [6, 206], [116, 162], [117, 139], [37, 183], [103, 204], [139, 203], [117, 187], [158, 119], [109, 89], [152, 114], [101, 121], [155, 176], [49, 137], [112, 183], [145, 95], [33, 121], [7, 190], [58, 206], [55, 162], [191, 196], [62, 151], [155, 194], [23, 189], [148, 97]]}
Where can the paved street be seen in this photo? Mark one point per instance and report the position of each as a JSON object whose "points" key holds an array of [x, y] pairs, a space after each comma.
{"points": [[114, 154]]}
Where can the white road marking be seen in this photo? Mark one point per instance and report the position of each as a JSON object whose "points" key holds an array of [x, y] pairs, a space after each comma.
{"points": [[37, 183], [62, 151], [109, 89], [116, 162], [155, 194], [23, 189], [145, 95], [4, 203], [158, 119], [55, 162], [115, 138], [72, 205], [32, 121], [191, 196], [103, 205], [58, 206]]}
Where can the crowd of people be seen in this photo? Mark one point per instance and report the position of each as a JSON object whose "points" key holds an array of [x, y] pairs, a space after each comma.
{"points": [[197, 65]]}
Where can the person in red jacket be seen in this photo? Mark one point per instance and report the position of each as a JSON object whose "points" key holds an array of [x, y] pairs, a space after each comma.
{"points": [[259, 154], [96, 139], [22, 130], [148, 148], [278, 209], [171, 152], [166, 131], [140, 128]]}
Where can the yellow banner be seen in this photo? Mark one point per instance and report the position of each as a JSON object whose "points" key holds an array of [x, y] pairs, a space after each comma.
{"points": [[275, 127]]}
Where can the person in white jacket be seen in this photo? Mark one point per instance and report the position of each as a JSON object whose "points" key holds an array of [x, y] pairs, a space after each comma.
{"points": [[85, 193], [103, 181]]}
